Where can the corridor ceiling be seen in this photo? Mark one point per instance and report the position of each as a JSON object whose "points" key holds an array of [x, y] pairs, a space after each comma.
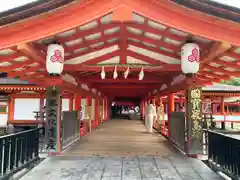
{"points": [[122, 34]]}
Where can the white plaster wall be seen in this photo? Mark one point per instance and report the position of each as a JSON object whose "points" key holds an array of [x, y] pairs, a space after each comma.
{"points": [[3, 120], [83, 104], [4, 117], [65, 104], [24, 107]]}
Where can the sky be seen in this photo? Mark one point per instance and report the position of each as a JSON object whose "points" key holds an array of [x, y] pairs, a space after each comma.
{"points": [[10, 4]]}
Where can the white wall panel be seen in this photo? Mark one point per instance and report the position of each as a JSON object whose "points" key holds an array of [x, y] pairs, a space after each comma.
{"points": [[65, 104], [24, 107], [3, 120]]}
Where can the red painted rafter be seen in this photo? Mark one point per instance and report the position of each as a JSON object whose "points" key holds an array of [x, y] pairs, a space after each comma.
{"points": [[32, 52], [148, 78], [164, 34], [87, 68], [144, 58], [153, 49], [170, 14], [222, 70], [157, 43], [88, 51], [119, 87], [102, 58], [88, 43], [97, 29], [123, 45], [114, 54], [235, 65], [10, 58]]}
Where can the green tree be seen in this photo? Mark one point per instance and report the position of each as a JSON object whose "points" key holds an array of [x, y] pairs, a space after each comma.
{"points": [[233, 82]]}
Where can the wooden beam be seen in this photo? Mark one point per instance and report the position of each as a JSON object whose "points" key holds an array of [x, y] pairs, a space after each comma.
{"points": [[32, 52], [157, 43], [216, 50], [102, 58], [156, 50], [119, 87], [144, 58], [97, 29], [186, 20], [92, 50], [122, 14], [89, 43], [110, 68], [164, 12], [146, 79]]}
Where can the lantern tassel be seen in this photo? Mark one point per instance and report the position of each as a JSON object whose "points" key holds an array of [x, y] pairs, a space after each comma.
{"points": [[126, 73], [103, 74], [115, 74], [141, 74]]}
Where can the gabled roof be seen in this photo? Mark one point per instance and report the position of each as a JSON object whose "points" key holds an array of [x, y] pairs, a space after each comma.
{"points": [[32, 9], [42, 6], [212, 8]]}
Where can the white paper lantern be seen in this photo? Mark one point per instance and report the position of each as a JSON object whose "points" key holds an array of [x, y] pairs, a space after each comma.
{"points": [[190, 58], [55, 59]]}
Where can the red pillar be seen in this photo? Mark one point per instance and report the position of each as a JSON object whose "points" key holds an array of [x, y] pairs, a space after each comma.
{"points": [[71, 104], [77, 102], [96, 113], [222, 111], [170, 109]]}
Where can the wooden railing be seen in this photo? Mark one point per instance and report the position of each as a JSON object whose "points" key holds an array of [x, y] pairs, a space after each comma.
{"points": [[18, 151], [224, 153]]}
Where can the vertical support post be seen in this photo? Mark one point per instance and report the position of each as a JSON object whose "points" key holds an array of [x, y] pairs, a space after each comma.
{"points": [[96, 116], [170, 110], [11, 108], [77, 102], [41, 108], [53, 119], [222, 111], [71, 104], [89, 103], [194, 121], [106, 105], [141, 110]]}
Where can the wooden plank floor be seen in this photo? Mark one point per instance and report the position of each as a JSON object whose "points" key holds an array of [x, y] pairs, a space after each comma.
{"points": [[122, 150], [122, 138]]}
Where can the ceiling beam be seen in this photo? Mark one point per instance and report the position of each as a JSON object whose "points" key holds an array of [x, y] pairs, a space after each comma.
{"points": [[144, 58], [135, 68], [32, 52], [128, 80], [122, 14], [97, 29], [92, 50], [163, 33], [89, 43], [217, 49], [128, 87], [155, 50]]}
